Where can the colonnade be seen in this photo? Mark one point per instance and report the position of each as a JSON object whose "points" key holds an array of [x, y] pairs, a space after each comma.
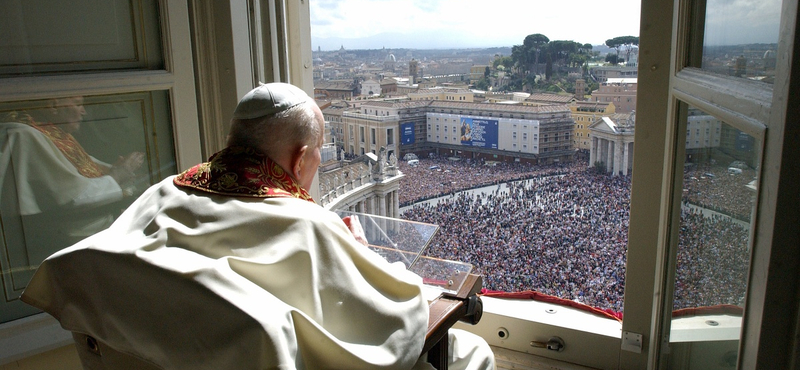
{"points": [[375, 203], [616, 152]]}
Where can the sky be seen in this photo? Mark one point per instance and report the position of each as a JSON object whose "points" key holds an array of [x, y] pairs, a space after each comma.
{"points": [[434, 24], [742, 21], [425, 24]]}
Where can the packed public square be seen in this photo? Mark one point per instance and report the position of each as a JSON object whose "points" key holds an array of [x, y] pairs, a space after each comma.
{"points": [[562, 230]]}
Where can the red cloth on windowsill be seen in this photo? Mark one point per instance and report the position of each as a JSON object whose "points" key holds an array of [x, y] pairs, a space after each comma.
{"points": [[722, 309]]}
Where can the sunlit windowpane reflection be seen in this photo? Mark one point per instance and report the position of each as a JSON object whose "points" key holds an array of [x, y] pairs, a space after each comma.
{"points": [[741, 38], [70, 166], [53, 36], [720, 180]]}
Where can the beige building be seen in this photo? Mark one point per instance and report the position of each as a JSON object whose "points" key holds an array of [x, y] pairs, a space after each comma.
{"points": [[702, 131], [442, 93], [388, 85], [536, 99], [602, 74], [477, 72], [333, 121], [584, 113], [332, 90], [496, 131], [539, 134], [375, 124], [619, 91], [370, 87]]}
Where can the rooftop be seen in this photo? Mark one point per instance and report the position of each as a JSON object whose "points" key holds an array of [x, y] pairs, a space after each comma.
{"points": [[622, 80]]}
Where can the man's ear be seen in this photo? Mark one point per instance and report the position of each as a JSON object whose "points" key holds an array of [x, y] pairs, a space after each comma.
{"points": [[297, 160]]}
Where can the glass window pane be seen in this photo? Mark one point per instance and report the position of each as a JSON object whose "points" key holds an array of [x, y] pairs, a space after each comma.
{"points": [[71, 165], [713, 258], [741, 38], [47, 36]]}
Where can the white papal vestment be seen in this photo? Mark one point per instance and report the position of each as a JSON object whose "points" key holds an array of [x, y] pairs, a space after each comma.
{"points": [[192, 280]]}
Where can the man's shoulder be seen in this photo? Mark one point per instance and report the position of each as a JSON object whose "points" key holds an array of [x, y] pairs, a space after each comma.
{"points": [[281, 207]]}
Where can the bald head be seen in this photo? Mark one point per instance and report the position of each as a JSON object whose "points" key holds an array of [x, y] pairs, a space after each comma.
{"points": [[275, 118], [284, 123]]}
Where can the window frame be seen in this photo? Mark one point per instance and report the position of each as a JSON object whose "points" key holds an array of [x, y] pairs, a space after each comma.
{"points": [[41, 332], [665, 78], [650, 209]]}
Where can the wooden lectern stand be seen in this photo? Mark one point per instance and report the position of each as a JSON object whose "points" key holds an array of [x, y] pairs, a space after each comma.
{"points": [[465, 305]]}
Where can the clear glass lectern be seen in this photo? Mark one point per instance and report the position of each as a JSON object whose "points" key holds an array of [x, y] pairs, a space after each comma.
{"points": [[403, 241]]}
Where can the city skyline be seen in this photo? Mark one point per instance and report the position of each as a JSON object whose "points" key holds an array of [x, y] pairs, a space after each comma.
{"points": [[376, 24]]}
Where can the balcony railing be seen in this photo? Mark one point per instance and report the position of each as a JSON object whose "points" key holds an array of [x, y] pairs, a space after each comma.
{"points": [[371, 117], [339, 182]]}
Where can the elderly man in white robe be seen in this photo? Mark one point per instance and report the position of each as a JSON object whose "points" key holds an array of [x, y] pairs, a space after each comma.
{"points": [[231, 265]]}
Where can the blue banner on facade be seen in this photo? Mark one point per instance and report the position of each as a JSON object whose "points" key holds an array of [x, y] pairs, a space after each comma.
{"points": [[479, 132], [407, 133], [744, 142]]}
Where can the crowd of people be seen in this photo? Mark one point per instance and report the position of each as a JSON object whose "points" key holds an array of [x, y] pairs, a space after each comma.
{"points": [[563, 230], [434, 177], [713, 187], [712, 260]]}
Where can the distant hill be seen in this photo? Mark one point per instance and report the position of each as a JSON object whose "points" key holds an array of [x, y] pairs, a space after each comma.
{"points": [[399, 40]]}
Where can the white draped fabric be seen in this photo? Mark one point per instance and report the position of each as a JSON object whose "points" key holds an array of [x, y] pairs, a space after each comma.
{"points": [[191, 280]]}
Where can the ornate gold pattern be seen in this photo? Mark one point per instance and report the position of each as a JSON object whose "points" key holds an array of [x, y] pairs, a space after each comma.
{"points": [[240, 171]]}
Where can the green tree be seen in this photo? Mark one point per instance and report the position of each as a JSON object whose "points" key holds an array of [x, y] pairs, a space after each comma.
{"points": [[561, 50], [532, 47], [482, 84], [548, 71], [623, 41], [519, 59], [578, 60], [506, 62]]}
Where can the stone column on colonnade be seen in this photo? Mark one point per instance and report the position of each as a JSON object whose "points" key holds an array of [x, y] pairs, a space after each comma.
{"points": [[388, 205], [626, 151], [602, 151], [397, 203], [382, 205], [617, 156], [393, 209]]}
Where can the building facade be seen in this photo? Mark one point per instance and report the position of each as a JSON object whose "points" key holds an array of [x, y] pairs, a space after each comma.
{"points": [[333, 90], [370, 87], [540, 134], [442, 93], [612, 143], [585, 113], [602, 74], [619, 91]]}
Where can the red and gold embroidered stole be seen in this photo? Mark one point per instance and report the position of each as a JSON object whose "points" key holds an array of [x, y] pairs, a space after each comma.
{"points": [[239, 171], [71, 149]]}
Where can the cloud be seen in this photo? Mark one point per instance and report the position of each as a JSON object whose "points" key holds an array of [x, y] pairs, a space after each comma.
{"points": [[475, 22], [742, 21]]}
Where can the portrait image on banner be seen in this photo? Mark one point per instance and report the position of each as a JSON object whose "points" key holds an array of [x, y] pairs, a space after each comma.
{"points": [[479, 132], [407, 133]]}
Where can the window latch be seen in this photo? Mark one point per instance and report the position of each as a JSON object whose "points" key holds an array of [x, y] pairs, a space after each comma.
{"points": [[554, 344]]}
